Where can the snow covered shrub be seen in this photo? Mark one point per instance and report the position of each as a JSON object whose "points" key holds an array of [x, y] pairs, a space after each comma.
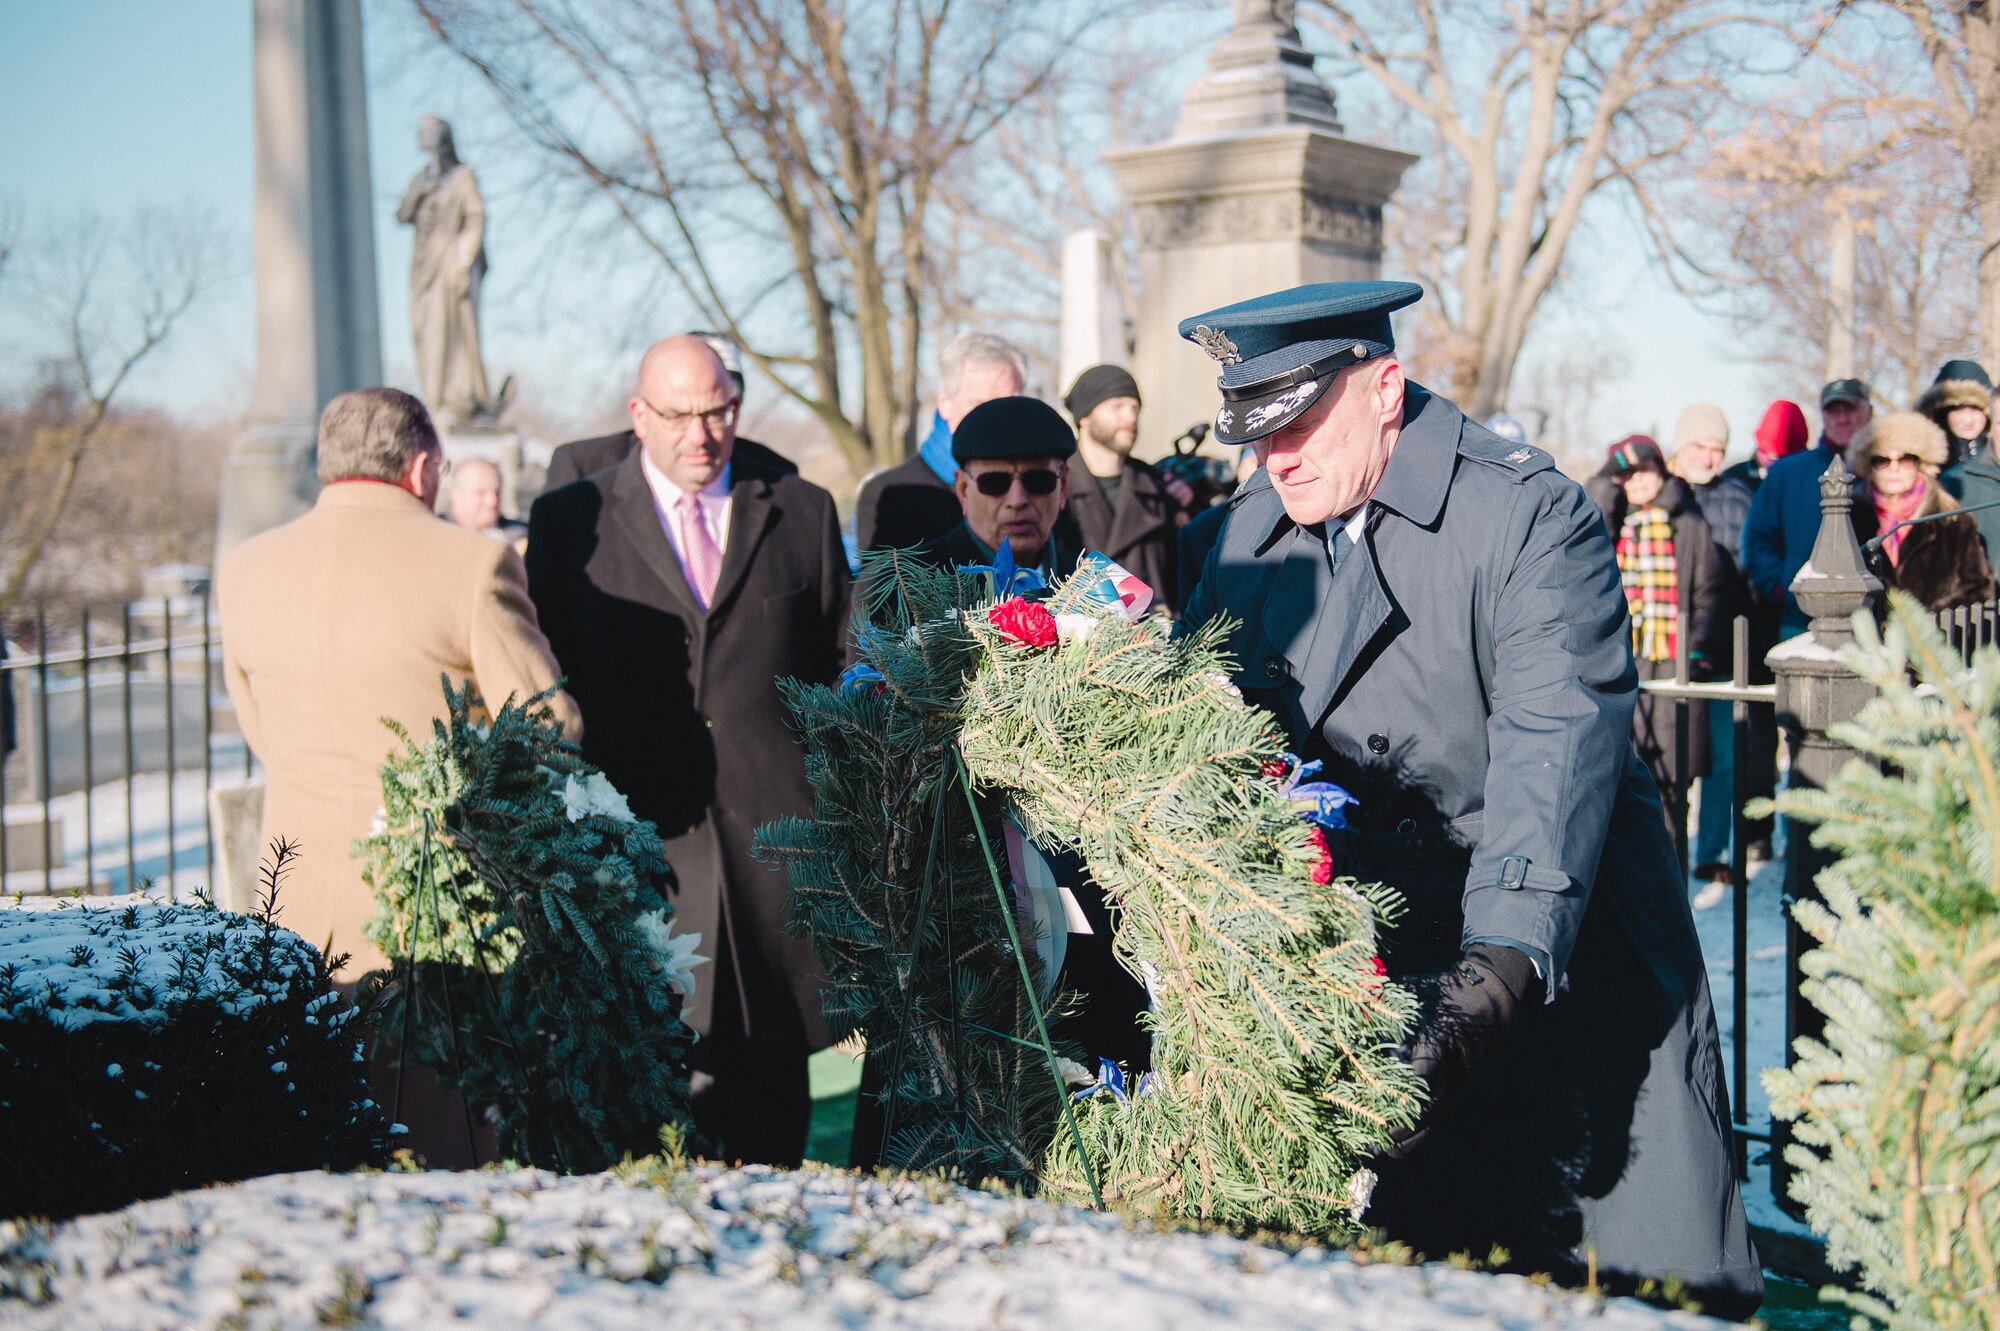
{"points": [[147, 1048], [1898, 1107]]}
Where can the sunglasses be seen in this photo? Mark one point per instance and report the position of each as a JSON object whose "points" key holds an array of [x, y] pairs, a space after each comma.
{"points": [[1881, 460], [1041, 481]]}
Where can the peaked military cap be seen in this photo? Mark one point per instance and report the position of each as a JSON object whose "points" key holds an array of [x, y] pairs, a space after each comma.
{"points": [[1279, 352]]}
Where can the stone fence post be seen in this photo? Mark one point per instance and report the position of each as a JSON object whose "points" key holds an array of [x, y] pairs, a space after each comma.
{"points": [[1816, 691]]}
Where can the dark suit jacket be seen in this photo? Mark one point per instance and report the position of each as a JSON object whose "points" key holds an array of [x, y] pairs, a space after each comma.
{"points": [[1137, 531], [586, 457], [903, 506], [682, 708]]}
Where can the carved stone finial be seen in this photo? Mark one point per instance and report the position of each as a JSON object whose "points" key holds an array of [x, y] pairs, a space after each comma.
{"points": [[1260, 75], [1835, 581]]}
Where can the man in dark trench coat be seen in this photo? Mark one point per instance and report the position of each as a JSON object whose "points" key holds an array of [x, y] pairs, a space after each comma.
{"points": [[1436, 615], [677, 589]]}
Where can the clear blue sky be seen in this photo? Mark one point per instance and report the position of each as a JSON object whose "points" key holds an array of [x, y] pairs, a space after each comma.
{"points": [[107, 104]]}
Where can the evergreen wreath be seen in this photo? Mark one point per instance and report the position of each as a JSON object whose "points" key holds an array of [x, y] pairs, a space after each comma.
{"points": [[525, 910], [1273, 1030], [1897, 1106]]}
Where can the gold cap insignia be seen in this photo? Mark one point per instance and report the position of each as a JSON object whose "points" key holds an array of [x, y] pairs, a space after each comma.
{"points": [[1217, 344]]}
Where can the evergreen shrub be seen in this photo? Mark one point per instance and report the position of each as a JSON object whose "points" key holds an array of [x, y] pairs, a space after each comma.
{"points": [[1897, 1108], [148, 1048]]}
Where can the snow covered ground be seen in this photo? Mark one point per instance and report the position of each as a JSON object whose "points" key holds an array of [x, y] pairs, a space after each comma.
{"points": [[707, 1247]]}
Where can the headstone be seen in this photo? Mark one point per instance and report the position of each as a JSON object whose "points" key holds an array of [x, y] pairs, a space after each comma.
{"points": [[1256, 191], [1093, 324], [317, 327], [237, 813]]}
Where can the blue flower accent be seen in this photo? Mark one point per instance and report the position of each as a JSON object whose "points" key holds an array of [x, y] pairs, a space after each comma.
{"points": [[1320, 802], [1111, 1077], [859, 676], [1005, 577]]}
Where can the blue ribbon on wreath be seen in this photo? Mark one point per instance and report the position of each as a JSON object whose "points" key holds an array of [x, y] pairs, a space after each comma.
{"points": [[1005, 577], [1320, 802]]}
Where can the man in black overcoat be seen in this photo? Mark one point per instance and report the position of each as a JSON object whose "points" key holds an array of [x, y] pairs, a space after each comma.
{"points": [[677, 589], [1436, 615]]}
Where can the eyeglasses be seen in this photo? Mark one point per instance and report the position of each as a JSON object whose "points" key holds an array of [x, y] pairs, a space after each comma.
{"points": [[718, 418], [1041, 481], [1882, 460]]}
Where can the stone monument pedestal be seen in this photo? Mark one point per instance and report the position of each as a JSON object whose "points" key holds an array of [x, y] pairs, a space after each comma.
{"points": [[1257, 190]]}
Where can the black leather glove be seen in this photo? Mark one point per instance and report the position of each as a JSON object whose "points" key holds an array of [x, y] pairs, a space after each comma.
{"points": [[1467, 1008]]}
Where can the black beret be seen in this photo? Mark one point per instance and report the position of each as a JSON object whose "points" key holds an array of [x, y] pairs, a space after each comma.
{"points": [[1099, 383], [1010, 428]]}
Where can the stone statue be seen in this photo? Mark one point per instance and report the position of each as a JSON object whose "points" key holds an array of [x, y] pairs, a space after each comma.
{"points": [[447, 262]]}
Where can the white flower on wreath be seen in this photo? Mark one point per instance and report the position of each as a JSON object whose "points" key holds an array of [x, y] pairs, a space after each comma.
{"points": [[1077, 628], [1074, 1073], [673, 955], [379, 823], [594, 794]]}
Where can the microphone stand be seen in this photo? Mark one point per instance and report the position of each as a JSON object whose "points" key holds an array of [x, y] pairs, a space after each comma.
{"points": [[1875, 543]]}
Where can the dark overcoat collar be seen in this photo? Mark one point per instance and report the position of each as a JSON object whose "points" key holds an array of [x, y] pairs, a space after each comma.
{"points": [[1138, 511], [751, 512], [1324, 622]]}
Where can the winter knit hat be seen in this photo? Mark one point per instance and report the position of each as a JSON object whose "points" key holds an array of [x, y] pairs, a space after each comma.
{"points": [[1635, 452], [1897, 434], [1782, 432], [1700, 420], [1097, 385]]}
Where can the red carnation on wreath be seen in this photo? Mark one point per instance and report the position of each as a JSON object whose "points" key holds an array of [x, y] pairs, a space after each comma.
{"points": [[1276, 769], [1028, 623], [1322, 870]]}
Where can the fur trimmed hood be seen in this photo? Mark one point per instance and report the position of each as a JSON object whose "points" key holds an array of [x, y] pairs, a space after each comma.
{"points": [[1896, 433], [1949, 394]]}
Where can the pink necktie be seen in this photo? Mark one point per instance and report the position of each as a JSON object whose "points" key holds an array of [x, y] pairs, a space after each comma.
{"points": [[698, 548]]}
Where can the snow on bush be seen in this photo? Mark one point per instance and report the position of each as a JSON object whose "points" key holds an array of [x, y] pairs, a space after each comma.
{"points": [[656, 1245], [146, 1047]]}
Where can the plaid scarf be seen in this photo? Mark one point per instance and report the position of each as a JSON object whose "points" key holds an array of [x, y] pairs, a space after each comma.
{"points": [[1652, 584]]}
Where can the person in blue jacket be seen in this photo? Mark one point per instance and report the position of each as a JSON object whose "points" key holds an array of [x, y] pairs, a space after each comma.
{"points": [[1778, 535]]}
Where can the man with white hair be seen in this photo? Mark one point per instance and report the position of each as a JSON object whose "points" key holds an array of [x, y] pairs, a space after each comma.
{"points": [[474, 503], [913, 502]]}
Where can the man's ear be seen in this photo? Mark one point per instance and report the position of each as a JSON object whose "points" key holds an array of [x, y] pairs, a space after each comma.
{"points": [[1390, 390], [1062, 487], [961, 485]]}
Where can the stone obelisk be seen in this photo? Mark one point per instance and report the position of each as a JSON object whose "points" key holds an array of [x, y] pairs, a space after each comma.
{"points": [[318, 331], [1258, 189]]}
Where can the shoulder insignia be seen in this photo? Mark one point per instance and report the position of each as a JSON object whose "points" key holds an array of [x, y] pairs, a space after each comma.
{"points": [[1520, 455]]}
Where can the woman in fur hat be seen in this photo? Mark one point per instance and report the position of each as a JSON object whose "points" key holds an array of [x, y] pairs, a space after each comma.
{"points": [[1943, 564]]}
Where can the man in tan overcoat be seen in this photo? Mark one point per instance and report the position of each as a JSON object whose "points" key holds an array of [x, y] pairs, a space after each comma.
{"points": [[349, 615]]}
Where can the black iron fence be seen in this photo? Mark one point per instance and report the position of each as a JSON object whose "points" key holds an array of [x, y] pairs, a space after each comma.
{"points": [[122, 728]]}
